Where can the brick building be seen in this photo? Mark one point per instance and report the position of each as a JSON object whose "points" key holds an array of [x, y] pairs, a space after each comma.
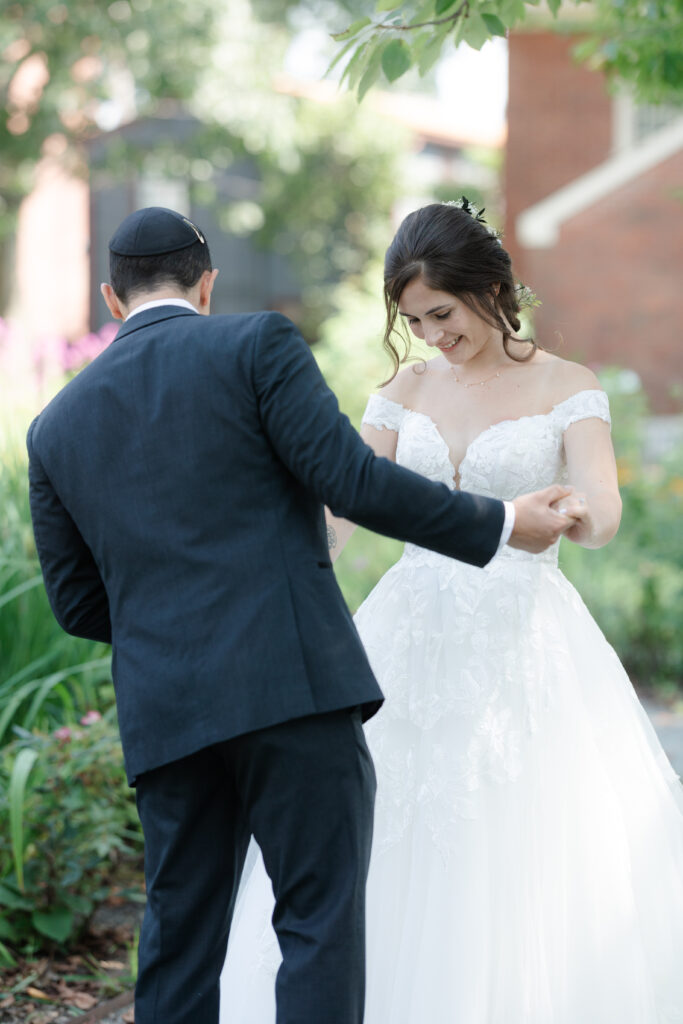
{"points": [[594, 215]]}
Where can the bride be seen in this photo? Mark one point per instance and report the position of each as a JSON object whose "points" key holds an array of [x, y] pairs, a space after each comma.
{"points": [[527, 862]]}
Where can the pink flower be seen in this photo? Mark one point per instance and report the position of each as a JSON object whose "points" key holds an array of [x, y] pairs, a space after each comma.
{"points": [[90, 717], [63, 734], [75, 354]]}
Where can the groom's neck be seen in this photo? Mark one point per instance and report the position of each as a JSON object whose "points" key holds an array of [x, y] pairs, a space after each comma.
{"points": [[158, 295]]}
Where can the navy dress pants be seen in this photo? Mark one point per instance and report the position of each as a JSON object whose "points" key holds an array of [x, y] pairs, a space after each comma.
{"points": [[305, 790]]}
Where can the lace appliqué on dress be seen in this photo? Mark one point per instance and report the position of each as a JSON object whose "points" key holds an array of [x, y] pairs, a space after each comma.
{"points": [[582, 406], [382, 413], [468, 659]]}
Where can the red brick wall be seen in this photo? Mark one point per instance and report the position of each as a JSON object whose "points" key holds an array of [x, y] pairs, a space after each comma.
{"points": [[613, 285], [559, 124]]}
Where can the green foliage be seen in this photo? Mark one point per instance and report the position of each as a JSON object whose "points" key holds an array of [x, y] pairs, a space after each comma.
{"points": [[60, 60], [395, 59], [45, 675], [66, 815], [634, 585], [123, 55], [67, 822], [637, 41], [15, 795], [332, 231]]}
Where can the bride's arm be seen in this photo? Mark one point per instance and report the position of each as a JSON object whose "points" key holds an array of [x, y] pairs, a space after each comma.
{"points": [[382, 442], [592, 470]]}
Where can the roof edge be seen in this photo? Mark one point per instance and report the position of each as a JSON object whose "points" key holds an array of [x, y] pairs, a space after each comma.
{"points": [[538, 227]]}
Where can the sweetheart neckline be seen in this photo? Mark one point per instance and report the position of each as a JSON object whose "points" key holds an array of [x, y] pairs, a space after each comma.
{"points": [[457, 470]]}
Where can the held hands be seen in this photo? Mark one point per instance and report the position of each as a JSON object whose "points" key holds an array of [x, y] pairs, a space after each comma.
{"points": [[576, 506], [543, 516]]}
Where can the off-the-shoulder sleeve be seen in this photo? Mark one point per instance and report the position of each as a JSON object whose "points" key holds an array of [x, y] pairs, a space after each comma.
{"points": [[382, 412], [584, 405]]}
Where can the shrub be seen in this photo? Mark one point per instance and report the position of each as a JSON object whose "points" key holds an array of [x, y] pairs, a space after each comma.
{"points": [[46, 676], [67, 823], [634, 585]]}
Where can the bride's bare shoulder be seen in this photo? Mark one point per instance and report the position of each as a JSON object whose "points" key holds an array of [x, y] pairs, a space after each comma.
{"points": [[404, 387], [565, 378]]}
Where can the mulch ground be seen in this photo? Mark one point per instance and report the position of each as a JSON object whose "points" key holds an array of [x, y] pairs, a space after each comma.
{"points": [[93, 983]]}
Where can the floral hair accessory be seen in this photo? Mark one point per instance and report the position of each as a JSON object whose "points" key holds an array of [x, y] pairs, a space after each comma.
{"points": [[475, 213], [525, 296]]}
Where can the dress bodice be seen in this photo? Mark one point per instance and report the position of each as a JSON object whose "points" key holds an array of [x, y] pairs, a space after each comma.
{"points": [[507, 459]]}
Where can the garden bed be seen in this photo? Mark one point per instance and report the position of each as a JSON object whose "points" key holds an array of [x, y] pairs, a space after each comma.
{"points": [[92, 982]]}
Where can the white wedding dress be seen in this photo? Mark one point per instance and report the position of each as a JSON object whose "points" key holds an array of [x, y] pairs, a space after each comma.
{"points": [[527, 861]]}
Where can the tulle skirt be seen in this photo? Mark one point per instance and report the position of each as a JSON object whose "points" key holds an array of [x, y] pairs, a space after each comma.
{"points": [[527, 861]]}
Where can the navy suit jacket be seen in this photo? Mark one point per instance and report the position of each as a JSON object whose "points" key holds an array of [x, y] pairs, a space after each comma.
{"points": [[177, 488]]}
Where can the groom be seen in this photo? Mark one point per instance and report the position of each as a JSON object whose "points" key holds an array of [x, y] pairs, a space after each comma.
{"points": [[177, 488]]}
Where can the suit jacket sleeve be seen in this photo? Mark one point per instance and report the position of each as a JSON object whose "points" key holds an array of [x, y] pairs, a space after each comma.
{"points": [[317, 443], [72, 580]]}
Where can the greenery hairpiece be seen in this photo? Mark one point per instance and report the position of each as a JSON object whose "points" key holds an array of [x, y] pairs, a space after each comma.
{"points": [[525, 296], [467, 206]]}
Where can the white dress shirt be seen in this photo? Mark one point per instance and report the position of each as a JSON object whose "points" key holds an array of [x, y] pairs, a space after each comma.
{"points": [[508, 524], [161, 302]]}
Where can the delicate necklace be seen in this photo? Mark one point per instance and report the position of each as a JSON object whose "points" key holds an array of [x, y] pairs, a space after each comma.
{"points": [[473, 383]]}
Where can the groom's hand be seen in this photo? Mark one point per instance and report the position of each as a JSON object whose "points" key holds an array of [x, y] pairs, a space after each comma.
{"points": [[537, 525]]}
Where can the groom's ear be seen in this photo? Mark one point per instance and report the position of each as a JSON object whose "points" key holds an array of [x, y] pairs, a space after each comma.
{"points": [[113, 304], [206, 283]]}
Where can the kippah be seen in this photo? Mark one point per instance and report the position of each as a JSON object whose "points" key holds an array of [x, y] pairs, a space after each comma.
{"points": [[153, 232]]}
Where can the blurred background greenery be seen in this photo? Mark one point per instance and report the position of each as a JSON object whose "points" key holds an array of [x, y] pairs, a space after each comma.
{"points": [[210, 106]]}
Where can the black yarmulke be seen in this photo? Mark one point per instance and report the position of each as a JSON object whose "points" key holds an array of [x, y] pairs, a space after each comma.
{"points": [[153, 232]]}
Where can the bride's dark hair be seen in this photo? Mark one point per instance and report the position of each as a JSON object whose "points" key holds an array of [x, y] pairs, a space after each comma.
{"points": [[453, 250]]}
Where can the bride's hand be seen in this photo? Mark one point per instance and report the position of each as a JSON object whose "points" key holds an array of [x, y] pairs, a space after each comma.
{"points": [[538, 524], [575, 505]]}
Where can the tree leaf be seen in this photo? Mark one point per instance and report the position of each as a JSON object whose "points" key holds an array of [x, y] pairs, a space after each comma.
{"points": [[427, 48], [474, 31], [511, 12], [356, 66], [395, 59], [495, 25], [56, 923], [83, 1001], [371, 73], [36, 993], [351, 31], [442, 6], [23, 763], [554, 6], [387, 5], [342, 53]]}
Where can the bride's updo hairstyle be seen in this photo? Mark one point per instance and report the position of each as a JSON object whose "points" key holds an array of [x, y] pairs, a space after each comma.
{"points": [[453, 250]]}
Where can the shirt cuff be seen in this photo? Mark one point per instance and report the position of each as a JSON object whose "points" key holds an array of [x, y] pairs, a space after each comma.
{"points": [[508, 524]]}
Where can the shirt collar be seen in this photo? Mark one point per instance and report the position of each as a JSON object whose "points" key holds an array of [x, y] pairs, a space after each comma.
{"points": [[160, 302]]}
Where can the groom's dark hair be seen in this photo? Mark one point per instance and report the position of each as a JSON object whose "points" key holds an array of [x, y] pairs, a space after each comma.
{"points": [[129, 275]]}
